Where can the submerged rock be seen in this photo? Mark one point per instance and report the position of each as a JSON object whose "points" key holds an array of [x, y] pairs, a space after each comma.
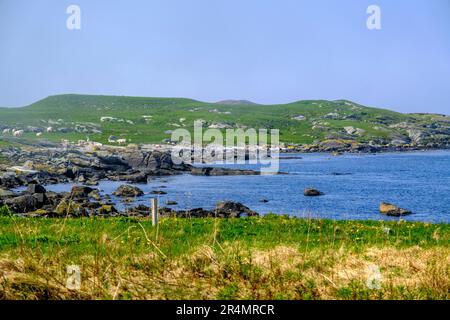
{"points": [[392, 210], [212, 171], [311, 192], [158, 192]]}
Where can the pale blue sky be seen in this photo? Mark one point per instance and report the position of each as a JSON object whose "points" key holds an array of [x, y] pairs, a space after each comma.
{"points": [[266, 51]]}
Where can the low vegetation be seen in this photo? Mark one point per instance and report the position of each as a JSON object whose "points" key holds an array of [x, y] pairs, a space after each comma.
{"points": [[150, 120], [270, 257]]}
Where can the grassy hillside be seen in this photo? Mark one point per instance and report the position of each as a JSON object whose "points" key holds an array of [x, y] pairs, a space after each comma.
{"points": [[272, 257], [149, 120]]}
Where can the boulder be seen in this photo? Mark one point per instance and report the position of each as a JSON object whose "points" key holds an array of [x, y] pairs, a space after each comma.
{"points": [[95, 194], [193, 213], [139, 177], [140, 210], [80, 192], [128, 191], [107, 210], [10, 180], [311, 192], [35, 188], [23, 204], [154, 162], [230, 209], [392, 210], [227, 209], [6, 193], [91, 182], [41, 198], [69, 207]]}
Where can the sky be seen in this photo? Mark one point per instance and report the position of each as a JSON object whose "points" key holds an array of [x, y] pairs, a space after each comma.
{"points": [[266, 51]]}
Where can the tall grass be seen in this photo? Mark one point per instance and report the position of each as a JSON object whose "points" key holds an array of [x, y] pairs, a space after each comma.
{"points": [[271, 257]]}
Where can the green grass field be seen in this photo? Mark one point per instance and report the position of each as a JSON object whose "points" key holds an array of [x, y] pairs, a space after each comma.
{"points": [[271, 257], [322, 119]]}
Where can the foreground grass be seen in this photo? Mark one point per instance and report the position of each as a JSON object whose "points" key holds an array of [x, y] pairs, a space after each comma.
{"points": [[272, 257]]}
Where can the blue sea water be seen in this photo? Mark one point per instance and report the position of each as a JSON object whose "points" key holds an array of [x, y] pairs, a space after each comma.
{"points": [[354, 186]]}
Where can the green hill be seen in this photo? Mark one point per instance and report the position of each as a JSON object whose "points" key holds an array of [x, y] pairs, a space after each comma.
{"points": [[150, 120]]}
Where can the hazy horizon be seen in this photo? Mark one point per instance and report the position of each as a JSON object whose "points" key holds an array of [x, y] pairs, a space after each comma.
{"points": [[266, 52]]}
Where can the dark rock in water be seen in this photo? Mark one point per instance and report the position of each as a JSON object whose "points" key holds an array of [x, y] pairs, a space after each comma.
{"points": [[23, 204], [212, 171], [158, 192], [392, 210], [35, 188], [80, 192], [128, 191], [230, 209], [311, 192]]}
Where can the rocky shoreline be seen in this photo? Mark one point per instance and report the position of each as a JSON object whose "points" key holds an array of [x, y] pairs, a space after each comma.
{"points": [[84, 201], [34, 168], [350, 146]]}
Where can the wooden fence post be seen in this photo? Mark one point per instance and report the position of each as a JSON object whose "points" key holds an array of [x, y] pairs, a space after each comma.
{"points": [[154, 211]]}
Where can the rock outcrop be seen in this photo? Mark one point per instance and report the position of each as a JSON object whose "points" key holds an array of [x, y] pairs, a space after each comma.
{"points": [[226, 209], [311, 192], [128, 191], [392, 210]]}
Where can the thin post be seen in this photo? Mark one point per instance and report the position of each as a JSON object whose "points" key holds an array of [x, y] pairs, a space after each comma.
{"points": [[154, 211]]}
